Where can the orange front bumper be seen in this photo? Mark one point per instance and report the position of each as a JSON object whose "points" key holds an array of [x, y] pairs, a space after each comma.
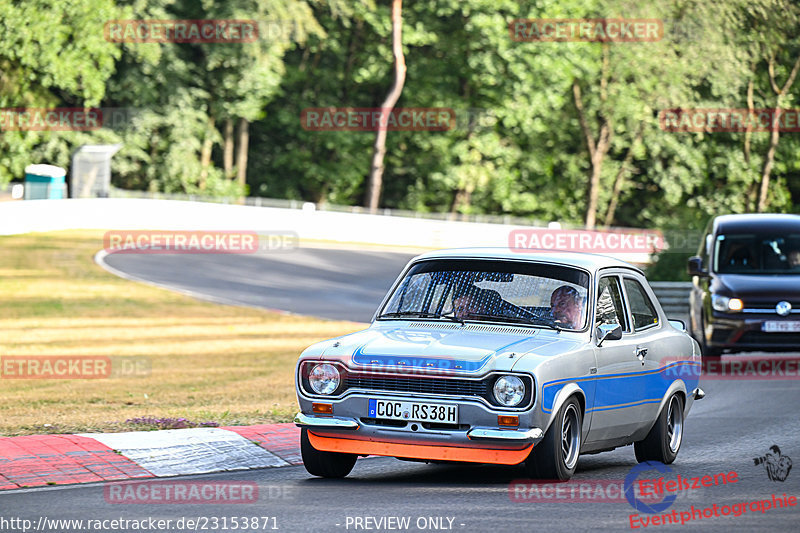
{"points": [[420, 451]]}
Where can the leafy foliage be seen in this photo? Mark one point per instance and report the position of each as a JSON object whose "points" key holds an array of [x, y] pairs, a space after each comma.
{"points": [[518, 146]]}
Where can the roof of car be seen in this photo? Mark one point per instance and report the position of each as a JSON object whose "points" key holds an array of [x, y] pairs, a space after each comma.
{"points": [[756, 222], [590, 262]]}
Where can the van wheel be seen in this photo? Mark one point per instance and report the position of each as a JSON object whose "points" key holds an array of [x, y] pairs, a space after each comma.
{"points": [[556, 456], [324, 464], [705, 349], [712, 353]]}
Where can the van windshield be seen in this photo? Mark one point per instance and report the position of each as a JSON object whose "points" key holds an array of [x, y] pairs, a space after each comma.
{"points": [[757, 253]]}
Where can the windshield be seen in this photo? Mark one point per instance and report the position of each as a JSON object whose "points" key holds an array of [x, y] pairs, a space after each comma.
{"points": [[757, 254], [492, 291]]}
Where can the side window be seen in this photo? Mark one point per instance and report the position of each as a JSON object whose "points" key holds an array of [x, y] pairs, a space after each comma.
{"points": [[642, 309], [705, 250], [610, 309]]}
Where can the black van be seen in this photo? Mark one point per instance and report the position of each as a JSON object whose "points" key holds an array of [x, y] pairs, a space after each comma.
{"points": [[746, 285]]}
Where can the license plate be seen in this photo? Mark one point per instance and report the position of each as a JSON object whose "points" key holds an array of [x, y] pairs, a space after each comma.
{"points": [[780, 326], [413, 411]]}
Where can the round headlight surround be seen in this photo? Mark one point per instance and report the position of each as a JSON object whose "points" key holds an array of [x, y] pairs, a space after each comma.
{"points": [[324, 378], [509, 391]]}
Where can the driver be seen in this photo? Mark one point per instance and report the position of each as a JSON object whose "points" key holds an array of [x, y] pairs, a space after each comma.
{"points": [[465, 304], [566, 306]]}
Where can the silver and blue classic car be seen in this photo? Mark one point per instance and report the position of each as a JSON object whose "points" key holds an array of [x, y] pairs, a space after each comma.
{"points": [[504, 357]]}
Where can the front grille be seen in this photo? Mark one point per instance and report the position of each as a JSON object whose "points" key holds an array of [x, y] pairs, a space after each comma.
{"points": [[764, 338], [720, 336], [769, 305], [456, 387], [411, 384]]}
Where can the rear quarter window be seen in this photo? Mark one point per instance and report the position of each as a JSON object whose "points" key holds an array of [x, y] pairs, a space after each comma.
{"points": [[642, 309]]}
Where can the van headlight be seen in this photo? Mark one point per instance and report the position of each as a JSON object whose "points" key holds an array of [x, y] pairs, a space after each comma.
{"points": [[726, 304], [324, 378], [509, 390]]}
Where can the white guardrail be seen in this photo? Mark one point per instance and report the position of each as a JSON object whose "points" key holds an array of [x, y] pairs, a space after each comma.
{"points": [[673, 296], [307, 222]]}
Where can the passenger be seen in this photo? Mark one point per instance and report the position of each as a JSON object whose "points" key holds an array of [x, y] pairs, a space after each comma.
{"points": [[794, 259]]}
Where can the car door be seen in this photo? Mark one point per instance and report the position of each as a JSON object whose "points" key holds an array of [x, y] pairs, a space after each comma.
{"points": [[618, 387], [649, 352]]}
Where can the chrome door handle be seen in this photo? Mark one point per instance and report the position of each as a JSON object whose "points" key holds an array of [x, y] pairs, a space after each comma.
{"points": [[640, 353]]}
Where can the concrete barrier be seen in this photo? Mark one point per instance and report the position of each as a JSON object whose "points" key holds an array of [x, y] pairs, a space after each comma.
{"points": [[308, 223]]}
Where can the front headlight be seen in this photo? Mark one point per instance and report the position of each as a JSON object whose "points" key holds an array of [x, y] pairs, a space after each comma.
{"points": [[324, 378], [509, 390], [725, 304]]}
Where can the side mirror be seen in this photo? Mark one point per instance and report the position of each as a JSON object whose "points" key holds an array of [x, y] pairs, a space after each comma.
{"points": [[695, 267], [612, 332], [677, 324]]}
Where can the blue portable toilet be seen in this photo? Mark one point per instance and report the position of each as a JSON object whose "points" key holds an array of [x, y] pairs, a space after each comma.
{"points": [[45, 182]]}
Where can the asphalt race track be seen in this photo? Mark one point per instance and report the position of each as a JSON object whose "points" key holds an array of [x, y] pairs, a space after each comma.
{"points": [[329, 283], [738, 421], [735, 423]]}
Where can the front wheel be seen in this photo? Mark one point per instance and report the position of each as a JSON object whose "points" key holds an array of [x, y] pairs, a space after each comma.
{"points": [[664, 440], [710, 352], [707, 351], [324, 464], [556, 456]]}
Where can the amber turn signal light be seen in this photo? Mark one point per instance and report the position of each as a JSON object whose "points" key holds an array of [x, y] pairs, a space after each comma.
{"points": [[507, 420], [322, 408]]}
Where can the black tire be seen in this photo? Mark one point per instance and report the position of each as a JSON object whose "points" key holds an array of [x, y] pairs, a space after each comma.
{"points": [[556, 456], [705, 349], [710, 352], [663, 442], [324, 464]]}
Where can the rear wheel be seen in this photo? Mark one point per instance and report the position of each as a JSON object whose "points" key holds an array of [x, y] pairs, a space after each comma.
{"points": [[324, 464], [664, 440], [556, 456]]}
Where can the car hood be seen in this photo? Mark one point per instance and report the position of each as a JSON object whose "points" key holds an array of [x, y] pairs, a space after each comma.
{"points": [[758, 288], [436, 348]]}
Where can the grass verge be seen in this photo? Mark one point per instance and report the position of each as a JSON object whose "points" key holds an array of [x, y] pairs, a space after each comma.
{"points": [[208, 363]]}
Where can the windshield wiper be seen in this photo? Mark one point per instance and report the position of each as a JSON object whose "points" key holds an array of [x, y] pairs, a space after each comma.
{"points": [[419, 314]]}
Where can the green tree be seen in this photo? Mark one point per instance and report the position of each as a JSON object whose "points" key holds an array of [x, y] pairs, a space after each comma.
{"points": [[51, 55]]}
